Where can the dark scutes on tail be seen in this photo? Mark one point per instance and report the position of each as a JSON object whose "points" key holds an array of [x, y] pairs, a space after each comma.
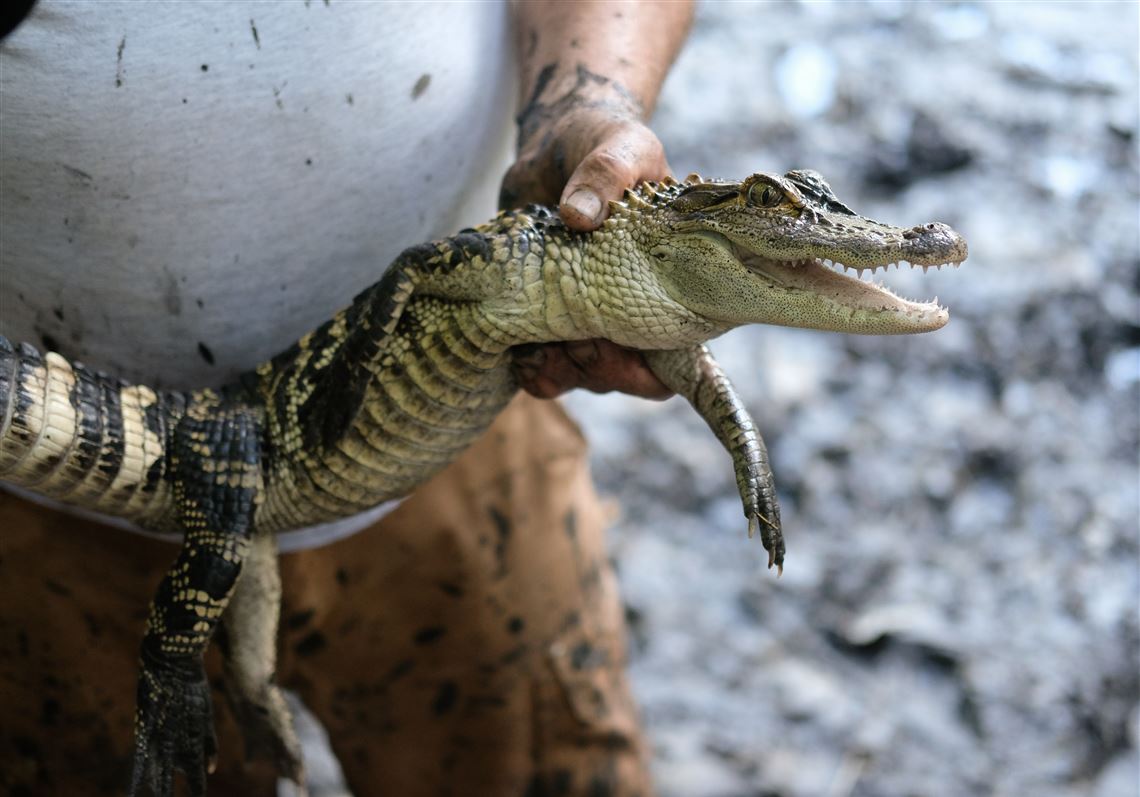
{"points": [[7, 382], [82, 437]]}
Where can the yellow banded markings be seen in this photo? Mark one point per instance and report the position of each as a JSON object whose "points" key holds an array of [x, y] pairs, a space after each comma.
{"points": [[141, 449], [58, 438], [27, 426]]}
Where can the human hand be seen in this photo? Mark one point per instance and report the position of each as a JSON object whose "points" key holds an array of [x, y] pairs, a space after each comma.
{"points": [[583, 154], [581, 160]]}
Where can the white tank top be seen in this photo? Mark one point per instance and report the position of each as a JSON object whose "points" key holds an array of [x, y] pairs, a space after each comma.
{"points": [[187, 188]]}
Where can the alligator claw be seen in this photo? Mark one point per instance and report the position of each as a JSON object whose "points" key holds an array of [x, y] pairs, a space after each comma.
{"points": [[174, 730], [771, 537], [694, 374], [267, 725]]}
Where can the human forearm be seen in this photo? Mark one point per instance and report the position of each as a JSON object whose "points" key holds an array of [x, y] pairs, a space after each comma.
{"points": [[590, 75], [600, 51]]}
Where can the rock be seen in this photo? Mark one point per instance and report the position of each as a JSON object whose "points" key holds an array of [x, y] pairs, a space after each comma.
{"points": [[917, 624], [809, 693], [1067, 177], [684, 768], [806, 79], [1038, 61], [1122, 368], [928, 150], [960, 22], [1118, 779]]}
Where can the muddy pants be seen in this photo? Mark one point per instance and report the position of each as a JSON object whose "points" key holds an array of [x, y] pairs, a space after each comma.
{"points": [[469, 643]]}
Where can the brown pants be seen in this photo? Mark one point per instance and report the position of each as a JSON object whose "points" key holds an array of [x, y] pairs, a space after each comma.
{"points": [[470, 643]]}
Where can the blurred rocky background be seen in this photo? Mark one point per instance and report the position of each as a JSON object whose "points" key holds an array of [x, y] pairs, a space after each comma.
{"points": [[959, 610]]}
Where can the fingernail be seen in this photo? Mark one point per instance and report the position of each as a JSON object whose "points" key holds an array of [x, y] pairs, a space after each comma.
{"points": [[586, 202]]}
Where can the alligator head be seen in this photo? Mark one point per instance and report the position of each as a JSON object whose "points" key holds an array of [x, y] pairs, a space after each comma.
{"points": [[773, 250]]}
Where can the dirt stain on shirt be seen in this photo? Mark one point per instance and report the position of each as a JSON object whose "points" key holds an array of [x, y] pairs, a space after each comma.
{"points": [[119, 62]]}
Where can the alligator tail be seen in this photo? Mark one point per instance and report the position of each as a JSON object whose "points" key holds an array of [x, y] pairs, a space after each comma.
{"points": [[82, 437]]}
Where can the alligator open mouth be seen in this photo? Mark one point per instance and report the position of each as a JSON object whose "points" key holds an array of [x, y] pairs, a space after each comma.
{"points": [[829, 281]]}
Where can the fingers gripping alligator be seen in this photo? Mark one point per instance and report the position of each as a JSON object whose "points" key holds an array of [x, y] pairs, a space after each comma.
{"points": [[390, 390]]}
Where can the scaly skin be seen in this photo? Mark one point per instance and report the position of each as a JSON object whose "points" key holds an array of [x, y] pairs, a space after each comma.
{"points": [[389, 391]]}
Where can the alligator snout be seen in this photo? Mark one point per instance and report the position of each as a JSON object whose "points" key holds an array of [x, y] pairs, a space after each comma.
{"points": [[933, 227], [935, 238]]}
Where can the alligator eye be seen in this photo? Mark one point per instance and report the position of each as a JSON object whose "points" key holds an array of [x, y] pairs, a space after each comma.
{"points": [[765, 197]]}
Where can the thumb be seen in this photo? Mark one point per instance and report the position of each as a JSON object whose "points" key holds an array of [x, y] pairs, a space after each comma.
{"points": [[620, 162]]}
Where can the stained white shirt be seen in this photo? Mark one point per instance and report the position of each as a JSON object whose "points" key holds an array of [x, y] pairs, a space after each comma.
{"points": [[188, 187]]}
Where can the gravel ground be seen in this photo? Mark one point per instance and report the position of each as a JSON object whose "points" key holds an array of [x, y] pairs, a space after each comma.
{"points": [[959, 610]]}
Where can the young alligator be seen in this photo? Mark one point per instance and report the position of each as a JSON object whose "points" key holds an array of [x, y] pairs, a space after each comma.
{"points": [[389, 391]]}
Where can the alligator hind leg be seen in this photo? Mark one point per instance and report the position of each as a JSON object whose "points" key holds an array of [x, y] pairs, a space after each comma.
{"points": [[694, 374], [214, 463], [248, 641]]}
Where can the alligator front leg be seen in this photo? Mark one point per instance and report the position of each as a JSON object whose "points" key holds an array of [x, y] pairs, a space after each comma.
{"points": [[214, 461], [694, 374], [248, 641]]}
